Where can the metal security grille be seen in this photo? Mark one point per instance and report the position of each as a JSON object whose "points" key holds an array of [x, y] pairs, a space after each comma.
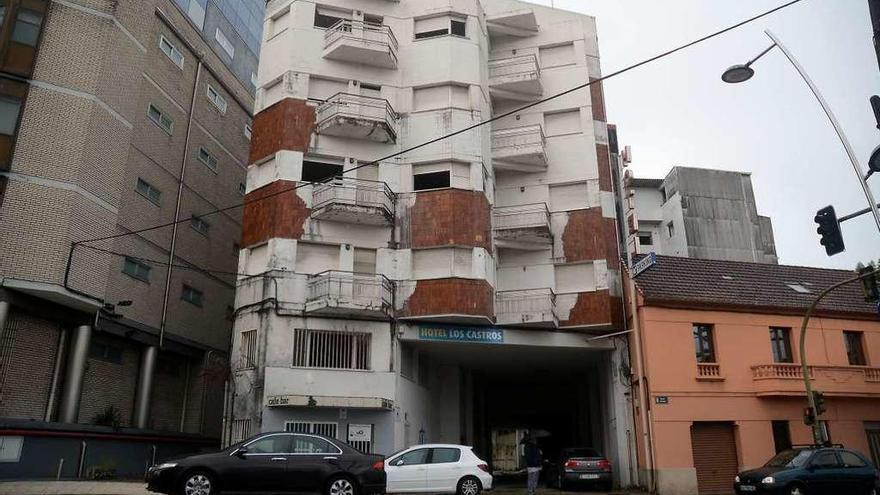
{"points": [[7, 339], [248, 350], [365, 446], [326, 429], [714, 449], [331, 349], [241, 430]]}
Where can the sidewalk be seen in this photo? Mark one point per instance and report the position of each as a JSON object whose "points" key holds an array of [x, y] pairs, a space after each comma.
{"points": [[72, 488]]}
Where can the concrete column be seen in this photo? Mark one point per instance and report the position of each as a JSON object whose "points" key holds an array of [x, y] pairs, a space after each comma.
{"points": [[4, 315], [73, 379], [145, 386]]}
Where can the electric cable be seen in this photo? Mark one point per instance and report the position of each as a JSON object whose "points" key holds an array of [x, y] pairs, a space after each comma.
{"points": [[460, 131]]}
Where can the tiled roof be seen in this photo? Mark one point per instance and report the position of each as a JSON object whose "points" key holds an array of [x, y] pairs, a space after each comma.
{"points": [[750, 286]]}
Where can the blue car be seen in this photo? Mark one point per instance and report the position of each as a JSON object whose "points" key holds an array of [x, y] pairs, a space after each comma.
{"points": [[814, 471]]}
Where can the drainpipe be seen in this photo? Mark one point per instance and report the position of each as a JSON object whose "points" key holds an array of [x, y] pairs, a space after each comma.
{"points": [[73, 381], [56, 373], [647, 439], [164, 320]]}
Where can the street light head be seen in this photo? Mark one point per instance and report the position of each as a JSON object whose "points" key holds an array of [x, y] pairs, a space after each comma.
{"points": [[737, 74], [874, 161]]}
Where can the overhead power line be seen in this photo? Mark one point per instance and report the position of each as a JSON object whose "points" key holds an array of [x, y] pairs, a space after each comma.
{"points": [[460, 131]]}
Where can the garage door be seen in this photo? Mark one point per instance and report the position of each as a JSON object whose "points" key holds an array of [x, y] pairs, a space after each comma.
{"points": [[714, 447]]}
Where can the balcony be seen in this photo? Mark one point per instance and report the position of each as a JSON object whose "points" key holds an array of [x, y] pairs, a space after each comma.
{"points": [[709, 372], [529, 308], [358, 117], [345, 199], [516, 78], [364, 295], [520, 23], [521, 149], [361, 42], [525, 227], [782, 379]]}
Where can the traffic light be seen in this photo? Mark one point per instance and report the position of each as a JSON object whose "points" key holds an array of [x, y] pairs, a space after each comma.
{"points": [[809, 416], [870, 284], [819, 402], [829, 229]]}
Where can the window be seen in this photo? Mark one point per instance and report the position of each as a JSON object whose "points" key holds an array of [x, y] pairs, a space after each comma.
{"points": [[563, 123], [236, 247], [424, 374], [407, 362], [9, 109], [136, 269], [242, 189], [414, 458], [171, 51], [160, 119], [825, 460], [314, 428], [10, 448], [780, 343], [850, 459], [199, 225], [248, 131], [331, 349], [670, 229], [2, 13], [224, 42], [704, 343], [192, 296], [312, 445], [432, 27], [781, 435], [208, 159], [147, 190], [855, 352], [247, 353], [431, 180], [272, 444], [326, 18], [442, 456], [645, 239], [318, 172], [216, 99], [103, 351], [27, 27]]}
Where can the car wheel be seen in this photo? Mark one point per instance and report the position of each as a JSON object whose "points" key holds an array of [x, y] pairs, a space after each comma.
{"points": [[341, 486], [469, 486], [199, 483], [796, 490]]}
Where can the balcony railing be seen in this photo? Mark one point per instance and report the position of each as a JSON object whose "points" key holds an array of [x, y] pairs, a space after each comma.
{"points": [[709, 371], [348, 293], [361, 42], [521, 148], [517, 78], [533, 307], [522, 226], [358, 116], [787, 379], [347, 199]]}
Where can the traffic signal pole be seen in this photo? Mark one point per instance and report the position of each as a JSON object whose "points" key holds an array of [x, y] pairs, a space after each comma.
{"points": [[805, 369]]}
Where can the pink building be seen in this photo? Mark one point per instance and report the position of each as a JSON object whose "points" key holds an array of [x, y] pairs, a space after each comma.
{"points": [[722, 383]]}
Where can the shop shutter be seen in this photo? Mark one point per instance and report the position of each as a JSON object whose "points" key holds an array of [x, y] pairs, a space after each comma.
{"points": [[714, 448]]}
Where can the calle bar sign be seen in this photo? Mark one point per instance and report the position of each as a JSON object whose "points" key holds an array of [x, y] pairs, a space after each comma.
{"points": [[462, 334]]}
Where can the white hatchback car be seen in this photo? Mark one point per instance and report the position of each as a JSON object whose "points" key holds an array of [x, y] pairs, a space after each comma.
{"points": [[437, 468]]}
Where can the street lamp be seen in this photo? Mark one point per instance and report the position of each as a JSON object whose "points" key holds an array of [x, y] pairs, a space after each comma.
{"points": [[744, 72]]}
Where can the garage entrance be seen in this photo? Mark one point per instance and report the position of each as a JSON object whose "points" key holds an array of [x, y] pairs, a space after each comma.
{"points": [[714, 448]]}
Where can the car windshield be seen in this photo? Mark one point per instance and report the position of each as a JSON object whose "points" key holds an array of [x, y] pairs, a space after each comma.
{"points": [[789, 458], [581, 453]]}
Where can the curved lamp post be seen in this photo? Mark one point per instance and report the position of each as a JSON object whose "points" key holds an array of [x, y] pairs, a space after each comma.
{"points": [[744, 72]]}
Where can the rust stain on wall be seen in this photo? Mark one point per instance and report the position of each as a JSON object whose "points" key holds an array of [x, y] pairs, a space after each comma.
{"points": [[451, 296], [597, 100], [280, 215], [595, 308], [286, 125], [450, 217], [589, 236]]}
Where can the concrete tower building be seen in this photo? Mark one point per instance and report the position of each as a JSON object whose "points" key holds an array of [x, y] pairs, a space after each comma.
{"points": [[118, 116], [450, 292]]}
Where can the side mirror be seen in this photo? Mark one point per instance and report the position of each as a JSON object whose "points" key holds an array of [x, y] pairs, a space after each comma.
{"points": [[241, 452], [398, 462]]}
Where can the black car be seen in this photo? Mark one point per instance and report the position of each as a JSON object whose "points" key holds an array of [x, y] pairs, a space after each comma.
{"points": [[814, 470], [582, 466], [274, 463]]}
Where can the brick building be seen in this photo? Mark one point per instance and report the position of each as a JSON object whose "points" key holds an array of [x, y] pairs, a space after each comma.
{"points": [[720, 387], [448, 293], [118, 116]]}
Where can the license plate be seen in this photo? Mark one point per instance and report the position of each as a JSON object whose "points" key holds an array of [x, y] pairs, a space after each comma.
{"points": [[747, 488], [589, 476]]}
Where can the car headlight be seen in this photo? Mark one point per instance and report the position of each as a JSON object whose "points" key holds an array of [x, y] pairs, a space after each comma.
{"points": [[768, 480], [736, 479], [166, 465]]}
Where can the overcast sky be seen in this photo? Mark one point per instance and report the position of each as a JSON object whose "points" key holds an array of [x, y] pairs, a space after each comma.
{"points": [[677, 111]]}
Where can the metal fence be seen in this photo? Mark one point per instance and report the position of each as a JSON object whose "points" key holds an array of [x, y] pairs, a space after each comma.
{"points": [[515, 66], [357, 107], [518, 302], [367, 288], [353, 192], [521, 216], [368, 33], [331, 349], [506, 139]]}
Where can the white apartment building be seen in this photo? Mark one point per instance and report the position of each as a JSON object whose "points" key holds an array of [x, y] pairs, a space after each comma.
{"points": [[451, 293]]}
